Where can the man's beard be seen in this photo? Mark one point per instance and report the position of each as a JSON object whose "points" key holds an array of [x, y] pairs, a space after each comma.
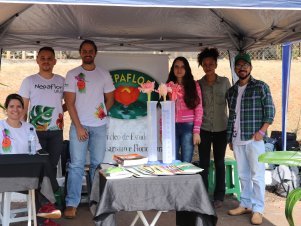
{"points": [[90, 60], [46, 68], [243, 77]]}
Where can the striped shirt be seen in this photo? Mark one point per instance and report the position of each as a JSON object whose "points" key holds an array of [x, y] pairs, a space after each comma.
{"points": [[256, 108]]}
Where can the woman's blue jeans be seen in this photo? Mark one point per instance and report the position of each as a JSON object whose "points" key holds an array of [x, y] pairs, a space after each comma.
{"points": [[184, 140]]}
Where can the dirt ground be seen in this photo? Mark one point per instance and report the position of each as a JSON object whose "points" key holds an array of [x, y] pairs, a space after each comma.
{"points": [[273, 216]]}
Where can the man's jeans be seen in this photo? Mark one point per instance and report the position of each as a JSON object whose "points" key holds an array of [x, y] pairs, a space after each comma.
{"points": [[96, 144], [251, 174], [184, 139]]}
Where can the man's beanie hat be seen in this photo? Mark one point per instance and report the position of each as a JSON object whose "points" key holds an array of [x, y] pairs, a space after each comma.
{"points": [[243, 56]]}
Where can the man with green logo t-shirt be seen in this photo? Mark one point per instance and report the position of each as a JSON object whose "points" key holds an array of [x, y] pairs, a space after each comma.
{"points": [[43, 94]]}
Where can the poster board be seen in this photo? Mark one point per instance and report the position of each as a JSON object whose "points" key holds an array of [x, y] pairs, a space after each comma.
{"points": [[127, 127]]}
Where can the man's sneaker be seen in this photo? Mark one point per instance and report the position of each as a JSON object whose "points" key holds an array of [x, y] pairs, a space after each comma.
{"points": [[49, 211], [70, 212], [49, 222], [256, 218], [239, 211]]}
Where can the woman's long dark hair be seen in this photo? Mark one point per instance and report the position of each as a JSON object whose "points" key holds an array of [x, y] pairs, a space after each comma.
{"points": [[191, 97]]}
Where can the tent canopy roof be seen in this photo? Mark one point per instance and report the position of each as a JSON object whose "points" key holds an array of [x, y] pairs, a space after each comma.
{"points": [[118, 25], [256, 4]]}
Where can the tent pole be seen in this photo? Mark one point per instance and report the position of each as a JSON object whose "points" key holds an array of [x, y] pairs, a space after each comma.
{"points": [[1, 52], [286, 68], [231, 55]]}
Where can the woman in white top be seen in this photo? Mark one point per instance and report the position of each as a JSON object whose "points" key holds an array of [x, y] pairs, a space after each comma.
{"points": [[14, 137], [14, 132]]}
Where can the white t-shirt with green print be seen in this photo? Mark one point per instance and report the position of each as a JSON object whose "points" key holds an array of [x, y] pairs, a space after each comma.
{"points": [[15, 140], [45, 101], [90, 87]]}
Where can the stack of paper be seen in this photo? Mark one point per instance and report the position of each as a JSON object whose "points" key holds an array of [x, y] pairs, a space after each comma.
{"points": [[130, 159], [151, 170], [116, 173], [140, 171], [157, 170], [187, 168]]}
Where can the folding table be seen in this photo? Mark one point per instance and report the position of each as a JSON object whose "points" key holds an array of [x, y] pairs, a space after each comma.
{"points": [[22, 172], [183, 193]]}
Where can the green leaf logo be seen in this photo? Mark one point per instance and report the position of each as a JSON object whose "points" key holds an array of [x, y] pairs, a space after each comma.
{"points": [[40, 116]]}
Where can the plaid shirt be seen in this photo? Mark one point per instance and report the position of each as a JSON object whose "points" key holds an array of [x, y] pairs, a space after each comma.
{"points": [[256, 108]]}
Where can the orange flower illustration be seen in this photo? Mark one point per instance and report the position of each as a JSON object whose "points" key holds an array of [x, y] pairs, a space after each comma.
{"points": [[100, 113], [126, 95], [60, 121], [81, 83], [6, 142]]}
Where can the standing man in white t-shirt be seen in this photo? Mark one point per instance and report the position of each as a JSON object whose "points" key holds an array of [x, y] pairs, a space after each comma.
{"points": [[89, 95], [251, 111], [43, 94]]}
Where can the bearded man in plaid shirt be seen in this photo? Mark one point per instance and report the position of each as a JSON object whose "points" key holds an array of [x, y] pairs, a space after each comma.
{"points": [[251, 111]]}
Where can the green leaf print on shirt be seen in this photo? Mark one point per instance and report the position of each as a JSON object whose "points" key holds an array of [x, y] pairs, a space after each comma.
{"points": [[40, 116]]}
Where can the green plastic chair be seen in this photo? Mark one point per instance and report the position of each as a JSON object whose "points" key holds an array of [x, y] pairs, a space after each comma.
{"points": [[231, 177]]}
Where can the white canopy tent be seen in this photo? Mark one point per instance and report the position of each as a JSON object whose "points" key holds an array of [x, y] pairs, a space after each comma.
{"points": [[152, 25], [166, 25]]}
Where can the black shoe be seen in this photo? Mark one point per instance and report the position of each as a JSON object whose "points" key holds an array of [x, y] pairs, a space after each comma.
{"points": [[217, 204], [42, 152]]}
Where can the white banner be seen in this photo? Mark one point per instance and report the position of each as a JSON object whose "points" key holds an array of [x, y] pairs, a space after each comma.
{"points": [[168, 131], [152, 131], [127, 127]]}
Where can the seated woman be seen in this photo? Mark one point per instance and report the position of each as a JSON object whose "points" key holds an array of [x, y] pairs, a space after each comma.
{"points": [[14, 139]]}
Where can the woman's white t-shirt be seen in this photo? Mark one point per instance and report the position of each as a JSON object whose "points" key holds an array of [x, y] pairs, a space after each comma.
{"points": [[15, 140]]}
